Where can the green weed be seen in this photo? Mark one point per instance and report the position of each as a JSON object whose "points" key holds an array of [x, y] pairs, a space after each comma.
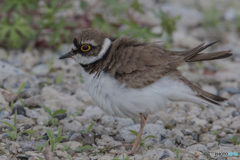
{"points": [[30, 132], [89, 128], [79, 111], [53, 141], [21, 88], [13, 127], [52, 115], [82, 148], [59, 78]]}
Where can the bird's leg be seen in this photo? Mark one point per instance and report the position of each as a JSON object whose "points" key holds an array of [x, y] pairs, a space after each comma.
{"points": [[138, 139]]}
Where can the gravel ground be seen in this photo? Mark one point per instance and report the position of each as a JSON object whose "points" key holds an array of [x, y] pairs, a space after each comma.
{"points": [[183, 131]]}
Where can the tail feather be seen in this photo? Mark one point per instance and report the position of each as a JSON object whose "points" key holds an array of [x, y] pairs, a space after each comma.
{"points": [[214, 99], [192, 55], [210, 56], [205, 96]]}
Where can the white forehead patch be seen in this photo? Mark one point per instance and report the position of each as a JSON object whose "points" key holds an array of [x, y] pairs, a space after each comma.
{"points": [[91, 42], [90, 59]]}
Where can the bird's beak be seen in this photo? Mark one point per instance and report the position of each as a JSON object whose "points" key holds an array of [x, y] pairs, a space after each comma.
{"points": [[67, 55]]}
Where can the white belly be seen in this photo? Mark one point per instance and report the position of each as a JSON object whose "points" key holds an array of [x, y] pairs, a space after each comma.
{"points": [[117, 100]]}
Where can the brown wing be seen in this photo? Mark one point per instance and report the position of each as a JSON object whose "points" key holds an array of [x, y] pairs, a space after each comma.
{"points": [[139, 64]]}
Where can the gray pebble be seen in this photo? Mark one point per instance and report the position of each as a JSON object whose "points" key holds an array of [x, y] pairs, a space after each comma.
{"points": [[4, 114]]}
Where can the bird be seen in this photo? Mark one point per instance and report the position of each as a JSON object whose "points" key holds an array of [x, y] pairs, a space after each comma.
{"points": [[132, 78]]}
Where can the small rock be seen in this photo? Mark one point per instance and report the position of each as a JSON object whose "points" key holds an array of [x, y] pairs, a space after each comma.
{"points": [[84, 97], [197, 147], [33, 91], [34, 101], [23, 119], [73, 145], [177, 132], [235, 125], [88, 138], [4, 114], [76, 137], [20, 111], [14, 82], [61, 116], [73, 126], [199, 122], [216, 128], [106, 157], [229, 14], [197, 154], [93, 112], [23, 156], [55, 100], [226, 139], [61, 154], [8, 96], [159, 154], [27, 126], [7, 70], [212, 145], [168, 143], [3, 102], [235, 113], [195, 136], [205, 138], [40, 70], [221, 122]]}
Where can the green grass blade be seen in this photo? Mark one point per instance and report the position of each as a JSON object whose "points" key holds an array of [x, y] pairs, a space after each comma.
{"points": [[47, 110], [12, 105], [59, 79], [134, 132], [22, 103], [60, 111], [21, 88], [58, 139], [149, 136], [88, 147], [90, 127], [59, 131], [11, 126]]}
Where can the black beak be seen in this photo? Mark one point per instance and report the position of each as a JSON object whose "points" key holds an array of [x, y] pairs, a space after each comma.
{"points": [[67, 55]]}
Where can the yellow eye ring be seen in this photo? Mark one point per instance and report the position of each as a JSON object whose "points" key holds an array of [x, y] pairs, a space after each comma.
{"points": [[85, 48]]}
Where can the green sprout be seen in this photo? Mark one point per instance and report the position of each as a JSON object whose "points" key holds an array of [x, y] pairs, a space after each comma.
{"points": [[13, 127], [89, 128], [80, 110], [21, 88], [54, 141], [59, 79], [30, 132], [82, 148], [52, 115]]}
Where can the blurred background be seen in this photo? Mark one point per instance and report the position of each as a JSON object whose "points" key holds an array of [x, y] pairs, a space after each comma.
{"points": [[35, 33]]}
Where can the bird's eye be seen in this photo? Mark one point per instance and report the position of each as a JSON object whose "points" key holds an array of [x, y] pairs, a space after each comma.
{"points": [[85, 48]]}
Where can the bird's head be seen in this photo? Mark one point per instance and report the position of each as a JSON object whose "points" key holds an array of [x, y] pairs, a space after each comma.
{"points": [[88, 46]]}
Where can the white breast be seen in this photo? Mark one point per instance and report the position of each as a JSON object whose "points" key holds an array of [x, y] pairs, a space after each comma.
{"points": [[117, 100]]}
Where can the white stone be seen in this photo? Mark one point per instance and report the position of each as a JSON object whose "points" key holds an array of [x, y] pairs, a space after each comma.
{"points": [[216, 128], [56, 100], [235, 125]]}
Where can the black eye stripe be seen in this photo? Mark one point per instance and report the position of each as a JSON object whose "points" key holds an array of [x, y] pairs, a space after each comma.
{"points": [[75, 42]]}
